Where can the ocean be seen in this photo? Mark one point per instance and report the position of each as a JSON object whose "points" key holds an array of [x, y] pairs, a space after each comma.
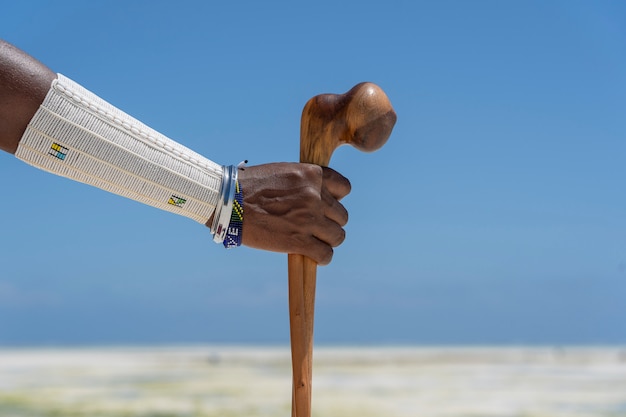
{"points": [[233, 381]]}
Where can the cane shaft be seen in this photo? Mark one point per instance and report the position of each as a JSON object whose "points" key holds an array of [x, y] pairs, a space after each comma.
{"points": [[363, 118], [301, 339], [302, 280]]}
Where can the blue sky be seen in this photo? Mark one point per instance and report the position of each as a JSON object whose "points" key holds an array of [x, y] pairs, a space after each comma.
{"points": [[495, 214]]}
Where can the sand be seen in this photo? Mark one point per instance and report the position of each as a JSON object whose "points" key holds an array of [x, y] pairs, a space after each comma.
{"points": [[230, 381]]}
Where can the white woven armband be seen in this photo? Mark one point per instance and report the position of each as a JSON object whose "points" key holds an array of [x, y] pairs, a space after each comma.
{"points": [[78, 135]]}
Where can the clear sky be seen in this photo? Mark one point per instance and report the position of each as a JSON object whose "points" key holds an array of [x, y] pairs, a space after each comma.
{"points": [[495, 214]]}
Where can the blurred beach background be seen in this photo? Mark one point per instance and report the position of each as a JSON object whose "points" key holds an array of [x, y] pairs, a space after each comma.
{"points": [[484, 268], [217, 381]]}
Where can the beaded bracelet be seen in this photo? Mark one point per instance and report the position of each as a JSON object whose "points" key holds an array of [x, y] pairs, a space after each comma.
{"points": [[234, 230]]}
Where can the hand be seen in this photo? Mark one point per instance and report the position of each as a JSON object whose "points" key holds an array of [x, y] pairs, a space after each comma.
{"points": [[294, 208]]}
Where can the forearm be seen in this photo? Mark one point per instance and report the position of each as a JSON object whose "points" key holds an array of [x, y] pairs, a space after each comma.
{"points": [[24, 82]]}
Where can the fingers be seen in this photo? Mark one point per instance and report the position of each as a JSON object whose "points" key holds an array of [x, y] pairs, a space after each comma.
{"points": [[335, 183], [325, 257], [328, 231], [326, 236], [334, 210], [319, 251]]}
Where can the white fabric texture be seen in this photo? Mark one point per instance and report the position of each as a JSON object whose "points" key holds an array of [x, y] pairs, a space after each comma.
{"points": [[78, 135]]}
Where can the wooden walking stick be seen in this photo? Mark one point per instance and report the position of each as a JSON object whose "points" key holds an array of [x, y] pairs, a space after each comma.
{"points": [[362, 117]]}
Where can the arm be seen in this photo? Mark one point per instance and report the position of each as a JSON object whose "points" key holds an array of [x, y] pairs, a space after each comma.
{"points": [[288, 207], [24, 82]]}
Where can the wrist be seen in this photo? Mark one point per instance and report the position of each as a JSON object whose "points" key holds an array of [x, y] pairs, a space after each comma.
{"points": [[227, 219]]}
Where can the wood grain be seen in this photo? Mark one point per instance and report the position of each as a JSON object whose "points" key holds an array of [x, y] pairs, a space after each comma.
{"points": [[363, 117]]}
